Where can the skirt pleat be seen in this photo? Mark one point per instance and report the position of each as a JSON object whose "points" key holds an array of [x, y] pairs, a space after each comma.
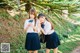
{"points": [[32, 41], [52, 41]]}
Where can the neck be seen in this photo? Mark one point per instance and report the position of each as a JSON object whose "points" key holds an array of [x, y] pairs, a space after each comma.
{"points": [[32, 18]]}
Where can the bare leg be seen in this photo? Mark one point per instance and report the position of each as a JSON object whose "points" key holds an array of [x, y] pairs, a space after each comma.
{"points": [[55, 50], [47, 50], [30, 51], [35, 51]]}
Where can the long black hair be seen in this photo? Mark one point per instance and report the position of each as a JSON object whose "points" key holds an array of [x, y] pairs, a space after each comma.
{"points": [[40, 15]]}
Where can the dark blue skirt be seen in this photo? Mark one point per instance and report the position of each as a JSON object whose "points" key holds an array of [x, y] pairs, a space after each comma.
{"points": [[52, 41], [32, 41]]}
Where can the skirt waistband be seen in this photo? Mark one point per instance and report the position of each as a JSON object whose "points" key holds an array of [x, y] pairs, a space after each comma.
{"points": [[51, 33]]}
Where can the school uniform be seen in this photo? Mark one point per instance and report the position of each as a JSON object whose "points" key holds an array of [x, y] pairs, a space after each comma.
{"points": [[32, 38], [51, 37]]}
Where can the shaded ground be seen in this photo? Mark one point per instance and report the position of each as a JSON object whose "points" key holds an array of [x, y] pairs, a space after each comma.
{"points": [[77, 50]]}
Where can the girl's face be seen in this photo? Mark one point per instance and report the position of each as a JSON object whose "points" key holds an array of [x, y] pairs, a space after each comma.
{"points": [[32, 16], [42, 19]]}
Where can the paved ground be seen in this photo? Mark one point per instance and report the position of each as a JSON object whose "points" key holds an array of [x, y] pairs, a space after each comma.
{"points": [[77, 50]]}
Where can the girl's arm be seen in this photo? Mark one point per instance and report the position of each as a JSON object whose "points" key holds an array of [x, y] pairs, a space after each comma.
{"points": [[47, 28], [41, 29], [26, 25], [35, 28]]}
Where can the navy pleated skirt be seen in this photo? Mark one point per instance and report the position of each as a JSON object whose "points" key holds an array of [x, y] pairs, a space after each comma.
{"points": [[32, 41], [52, 41]]}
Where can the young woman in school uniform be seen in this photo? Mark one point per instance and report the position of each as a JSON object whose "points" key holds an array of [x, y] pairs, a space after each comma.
{"points": [[32, 43], [51, 38]]}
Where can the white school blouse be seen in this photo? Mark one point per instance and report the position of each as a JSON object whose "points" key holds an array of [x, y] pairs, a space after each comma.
{"points": [[47, 28], [30, 29]]}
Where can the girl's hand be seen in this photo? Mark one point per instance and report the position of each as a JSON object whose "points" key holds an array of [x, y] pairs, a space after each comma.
{"points": [[35, 29], [40, 22]]}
